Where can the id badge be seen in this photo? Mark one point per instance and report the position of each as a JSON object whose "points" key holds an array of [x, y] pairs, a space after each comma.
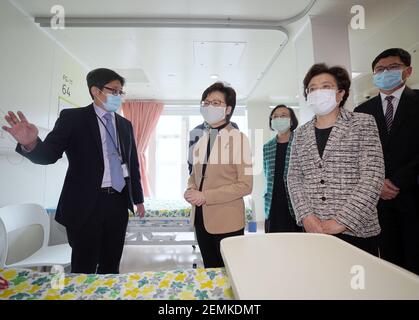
{"points": [[125, 170]]}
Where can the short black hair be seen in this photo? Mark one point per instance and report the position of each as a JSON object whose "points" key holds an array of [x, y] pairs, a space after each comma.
{"points": [[100, 77], [339, 73], [293, 117], [229, 95], [404, 56]]}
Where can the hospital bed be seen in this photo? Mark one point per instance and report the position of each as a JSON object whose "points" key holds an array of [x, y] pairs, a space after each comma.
{"points": [[166, 222], [162, 223], [191, 284]]}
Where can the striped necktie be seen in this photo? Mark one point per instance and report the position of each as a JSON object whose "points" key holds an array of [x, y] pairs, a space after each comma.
{"points": [[389, 112]]}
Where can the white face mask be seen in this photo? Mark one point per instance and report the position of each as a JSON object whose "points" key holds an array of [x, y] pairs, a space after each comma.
{"points": [[212, 114], [322, 101], [281, 125]]}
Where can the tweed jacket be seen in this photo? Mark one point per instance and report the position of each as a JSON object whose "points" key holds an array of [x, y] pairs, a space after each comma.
{"points": [[345, 184]]}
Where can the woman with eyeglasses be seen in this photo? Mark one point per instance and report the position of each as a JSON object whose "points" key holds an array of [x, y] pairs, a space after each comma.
{"points": [[221, 175], [279, 216], [336, 168]]}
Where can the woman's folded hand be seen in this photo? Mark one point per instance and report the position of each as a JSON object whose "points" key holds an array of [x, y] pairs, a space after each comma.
{"points": [[332, 227], [195, 197], [312, 224]]}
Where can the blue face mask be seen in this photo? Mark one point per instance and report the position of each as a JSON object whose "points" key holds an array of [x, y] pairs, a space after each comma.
{"points": [[112, 103], [281, 125], [388, 80]]}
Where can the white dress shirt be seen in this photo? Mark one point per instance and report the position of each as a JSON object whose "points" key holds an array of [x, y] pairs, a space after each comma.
{"points": [[397, 95], [106, 181]]}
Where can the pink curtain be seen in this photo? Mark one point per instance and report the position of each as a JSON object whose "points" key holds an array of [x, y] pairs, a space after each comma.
{"points": [[144, 117]]}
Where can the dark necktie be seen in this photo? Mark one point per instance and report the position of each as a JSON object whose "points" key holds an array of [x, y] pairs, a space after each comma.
{"points": [[389, 112]]}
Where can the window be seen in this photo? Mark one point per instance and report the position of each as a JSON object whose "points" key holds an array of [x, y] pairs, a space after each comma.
{"points": [[168, 149]]}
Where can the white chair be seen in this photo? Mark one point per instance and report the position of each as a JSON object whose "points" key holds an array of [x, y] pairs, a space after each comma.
{"points": [[23, 217]]}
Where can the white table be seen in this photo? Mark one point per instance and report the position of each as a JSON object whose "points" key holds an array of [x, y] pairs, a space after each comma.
{"points": [[311, 266]]}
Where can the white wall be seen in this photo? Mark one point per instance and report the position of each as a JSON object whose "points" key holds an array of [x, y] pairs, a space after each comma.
{"points": [[32, 67]]}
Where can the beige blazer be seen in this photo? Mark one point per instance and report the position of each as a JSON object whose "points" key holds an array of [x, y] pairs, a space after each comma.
{"points": [[228, 178]]}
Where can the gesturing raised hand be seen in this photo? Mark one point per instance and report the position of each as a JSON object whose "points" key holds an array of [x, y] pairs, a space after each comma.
{"points": [[24, 132]]}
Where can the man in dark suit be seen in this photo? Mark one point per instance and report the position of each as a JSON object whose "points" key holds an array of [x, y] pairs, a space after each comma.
{"points": [[103, 177], [396, 111]]}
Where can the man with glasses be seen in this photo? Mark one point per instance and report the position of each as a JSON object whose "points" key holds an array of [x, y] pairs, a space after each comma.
{"points": [[103, 176], [396, 111]]}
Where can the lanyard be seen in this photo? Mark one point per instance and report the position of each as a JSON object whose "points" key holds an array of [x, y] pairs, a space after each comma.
{"points": [[110, 136]]}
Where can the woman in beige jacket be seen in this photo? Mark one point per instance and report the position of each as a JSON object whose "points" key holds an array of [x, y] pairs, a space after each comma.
{"points": [[221, 176]]}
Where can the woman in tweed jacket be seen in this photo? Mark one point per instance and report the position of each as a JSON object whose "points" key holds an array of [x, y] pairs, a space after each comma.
{"points": [[336, 168]]}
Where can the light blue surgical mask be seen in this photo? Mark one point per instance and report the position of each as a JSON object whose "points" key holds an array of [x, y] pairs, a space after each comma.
{"points": [[112, 103], [281, 125], [388, 80]]}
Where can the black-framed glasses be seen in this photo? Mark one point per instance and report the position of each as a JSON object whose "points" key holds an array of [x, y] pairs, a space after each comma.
{"points": [[215, 103], [391, 67], [115, 92]]}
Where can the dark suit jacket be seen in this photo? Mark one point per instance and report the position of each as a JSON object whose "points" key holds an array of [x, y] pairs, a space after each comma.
{"points": [[401, 144], [77, 133]]}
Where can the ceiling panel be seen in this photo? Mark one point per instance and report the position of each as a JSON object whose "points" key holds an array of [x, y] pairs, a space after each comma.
{"points": [[245, 9], [177, 62], [218, 54], [167, 57], [133, 75]]}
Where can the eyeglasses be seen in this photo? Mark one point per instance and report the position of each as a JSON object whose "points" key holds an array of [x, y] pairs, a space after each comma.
{"points": [[215, 103], [323, 87], [115, 92], [392, 67]]}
